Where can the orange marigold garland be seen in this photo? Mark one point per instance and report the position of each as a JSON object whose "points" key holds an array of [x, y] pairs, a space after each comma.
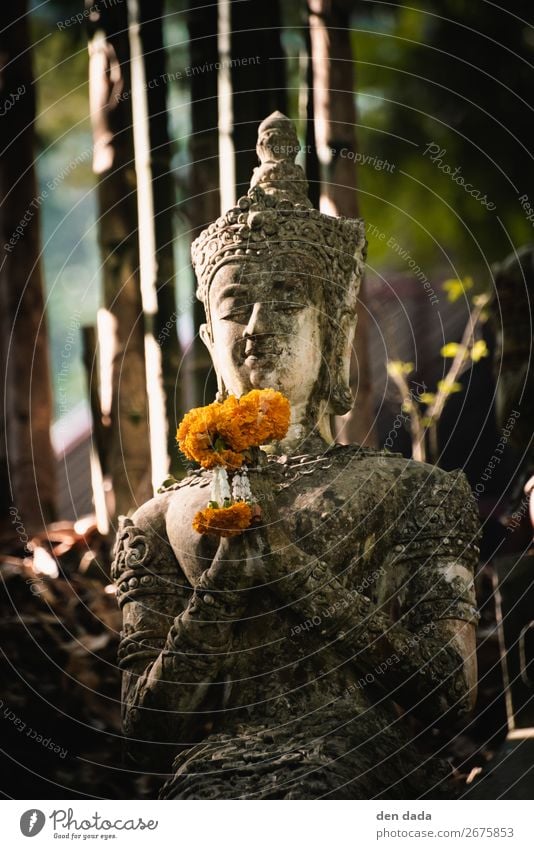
{"points": [[200, 439], [223, 521], [218, 437], [256, 418]]}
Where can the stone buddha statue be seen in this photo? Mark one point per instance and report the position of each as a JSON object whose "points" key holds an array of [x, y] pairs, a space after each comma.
{"points": [[286, 662]]}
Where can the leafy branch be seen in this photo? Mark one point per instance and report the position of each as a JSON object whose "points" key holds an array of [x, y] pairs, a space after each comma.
{"points": [[425, 409]]}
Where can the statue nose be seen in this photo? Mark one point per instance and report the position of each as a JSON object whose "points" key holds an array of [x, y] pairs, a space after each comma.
{"points": [[259, 321]]}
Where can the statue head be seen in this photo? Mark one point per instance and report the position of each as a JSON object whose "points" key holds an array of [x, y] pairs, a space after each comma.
{"points": [[279, 282]]}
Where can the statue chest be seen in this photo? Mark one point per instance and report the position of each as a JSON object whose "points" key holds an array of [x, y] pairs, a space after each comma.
{"points": [[342, 515], [343, 526]]}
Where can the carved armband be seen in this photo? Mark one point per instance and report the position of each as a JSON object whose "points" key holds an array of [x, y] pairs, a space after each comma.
{"points": [[143, 565], [150, 590]]}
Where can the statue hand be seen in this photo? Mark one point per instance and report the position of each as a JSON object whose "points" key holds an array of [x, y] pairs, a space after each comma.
{"points": [[273, 539], [264, 495], [283, 558], [262, 554], [238, 563]]}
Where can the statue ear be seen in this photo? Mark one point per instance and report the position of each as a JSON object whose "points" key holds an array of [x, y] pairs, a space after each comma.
{"points": [[205, 336], [341, 398]]}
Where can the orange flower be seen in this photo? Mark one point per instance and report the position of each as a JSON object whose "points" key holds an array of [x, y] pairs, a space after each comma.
{"points": [[200, 439], [216, 435], [254, 419], [223, 521], [274, 412]]}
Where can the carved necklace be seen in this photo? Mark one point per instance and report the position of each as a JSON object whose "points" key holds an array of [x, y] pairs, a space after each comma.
{"points": [[294, 467], [290, 468]]}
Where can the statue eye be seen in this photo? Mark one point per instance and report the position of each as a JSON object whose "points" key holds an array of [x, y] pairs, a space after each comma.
{"points": [[236, 312], [288, 296], [287, 306]]}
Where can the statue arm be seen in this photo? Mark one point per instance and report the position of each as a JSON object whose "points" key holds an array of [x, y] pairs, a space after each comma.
{"points": [[426, 659], [427, 668], [174, 639]]}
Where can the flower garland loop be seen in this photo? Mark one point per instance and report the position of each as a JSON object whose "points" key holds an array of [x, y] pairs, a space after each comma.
{"points": [[224, 521], [220, 437]]}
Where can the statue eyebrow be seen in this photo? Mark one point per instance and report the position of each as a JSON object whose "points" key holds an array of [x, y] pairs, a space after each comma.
{"points": [[282, 285], [231, 291]]}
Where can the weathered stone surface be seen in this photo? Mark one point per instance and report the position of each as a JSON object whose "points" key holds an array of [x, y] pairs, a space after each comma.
{"points": [[274, 664]]}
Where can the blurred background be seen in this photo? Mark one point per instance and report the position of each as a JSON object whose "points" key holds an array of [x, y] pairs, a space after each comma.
{"points": [[126, 127]]}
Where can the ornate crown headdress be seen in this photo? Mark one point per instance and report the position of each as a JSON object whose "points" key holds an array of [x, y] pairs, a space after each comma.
{"points": [[276, 215]]}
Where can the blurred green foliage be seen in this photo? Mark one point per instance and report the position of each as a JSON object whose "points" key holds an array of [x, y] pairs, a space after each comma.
{"points": [[67, 188], [456, 75], [448, 73]]}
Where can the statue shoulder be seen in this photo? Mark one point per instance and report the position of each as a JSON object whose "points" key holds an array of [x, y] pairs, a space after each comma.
{"points": [[414, 476], [431, 480], [381, 462], [431, 503], [151, 517], [436, 503]]}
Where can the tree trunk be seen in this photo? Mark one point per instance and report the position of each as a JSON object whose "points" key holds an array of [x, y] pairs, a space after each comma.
{"points": [[204, 197], [313, 174], [335, 131], [128, 450], [258, 79], [163, 206], [28, 470]]}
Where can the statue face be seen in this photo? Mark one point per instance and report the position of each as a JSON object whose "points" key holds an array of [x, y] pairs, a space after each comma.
{"points": [[266, 326]]}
